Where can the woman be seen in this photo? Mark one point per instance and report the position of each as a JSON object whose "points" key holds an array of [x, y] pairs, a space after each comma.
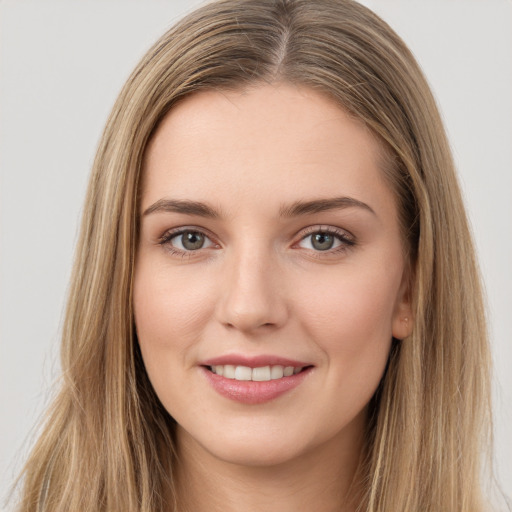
{"points": [[269, 307]]}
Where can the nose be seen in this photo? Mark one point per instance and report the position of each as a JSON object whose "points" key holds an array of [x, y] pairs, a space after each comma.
{"points": [[252, 298]]}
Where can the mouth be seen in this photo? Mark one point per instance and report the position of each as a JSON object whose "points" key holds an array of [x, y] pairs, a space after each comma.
{"points": [[256, 374], [254, 380]]}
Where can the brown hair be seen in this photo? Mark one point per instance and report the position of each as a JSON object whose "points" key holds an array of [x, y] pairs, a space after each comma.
{"points": [[105, 445]]}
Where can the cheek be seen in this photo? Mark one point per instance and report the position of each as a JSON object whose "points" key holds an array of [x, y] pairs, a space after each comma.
{"points": [[168, 302], [170, 314], [350, 318], [359, 305]]}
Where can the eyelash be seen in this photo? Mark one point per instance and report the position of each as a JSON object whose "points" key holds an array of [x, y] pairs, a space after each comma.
{"points": [[347, 241], [166, 238]]}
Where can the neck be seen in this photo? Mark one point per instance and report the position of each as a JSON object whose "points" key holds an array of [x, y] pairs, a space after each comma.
{"points": [[323, 479]]}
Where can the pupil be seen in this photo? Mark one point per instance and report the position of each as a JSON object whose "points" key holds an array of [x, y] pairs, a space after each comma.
{"points": [[323, 241], [192, 241]]}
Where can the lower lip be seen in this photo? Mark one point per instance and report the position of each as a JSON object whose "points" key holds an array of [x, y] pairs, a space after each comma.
{"points": [[253, 392]]}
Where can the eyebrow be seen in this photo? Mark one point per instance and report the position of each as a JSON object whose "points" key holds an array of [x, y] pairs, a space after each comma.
{"points": [[182, 206], [296, 209], [322, 205]]}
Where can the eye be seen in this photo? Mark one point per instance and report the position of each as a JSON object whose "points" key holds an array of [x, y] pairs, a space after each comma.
{"points": [[187, 240], [324, 240], [321, 241]]}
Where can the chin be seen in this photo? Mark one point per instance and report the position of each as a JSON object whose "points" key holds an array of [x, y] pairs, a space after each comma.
{"points": [[246, 448], [265, 443], [258, 455]]}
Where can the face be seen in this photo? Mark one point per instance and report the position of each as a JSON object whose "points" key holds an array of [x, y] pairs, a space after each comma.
{"points": [[270, 275]]}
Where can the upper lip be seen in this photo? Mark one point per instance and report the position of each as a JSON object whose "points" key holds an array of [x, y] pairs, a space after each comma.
{"points": [[254, 361]]}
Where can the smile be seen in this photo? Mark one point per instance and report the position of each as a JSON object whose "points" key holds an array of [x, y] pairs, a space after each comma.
{"points": [[258, 374], [254, 380]]}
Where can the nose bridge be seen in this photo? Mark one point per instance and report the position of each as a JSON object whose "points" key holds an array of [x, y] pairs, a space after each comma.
{"points": [[251, 297]]}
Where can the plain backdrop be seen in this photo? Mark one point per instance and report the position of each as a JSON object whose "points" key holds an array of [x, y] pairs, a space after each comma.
{"points": [[62, 64]]}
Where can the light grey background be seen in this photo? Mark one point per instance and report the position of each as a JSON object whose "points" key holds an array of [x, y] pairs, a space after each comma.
{"points": [[62, 64]]}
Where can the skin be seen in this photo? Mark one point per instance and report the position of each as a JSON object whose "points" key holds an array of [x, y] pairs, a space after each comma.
{"points": [[259, 286]]}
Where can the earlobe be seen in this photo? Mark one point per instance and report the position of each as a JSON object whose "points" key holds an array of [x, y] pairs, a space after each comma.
{"points": [[403, 321], [402, 325]]}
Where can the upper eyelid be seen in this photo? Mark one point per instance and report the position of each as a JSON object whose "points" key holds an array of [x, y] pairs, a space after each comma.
{"points": [[172, 232], [298, 237], [344, 233], [315, 228]]}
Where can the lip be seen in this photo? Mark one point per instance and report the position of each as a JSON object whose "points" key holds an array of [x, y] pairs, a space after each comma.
{"points": [[253, 392], [254, 361]]}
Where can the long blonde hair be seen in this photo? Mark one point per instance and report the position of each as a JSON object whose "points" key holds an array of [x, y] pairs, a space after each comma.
{"points": [[107, 443]]}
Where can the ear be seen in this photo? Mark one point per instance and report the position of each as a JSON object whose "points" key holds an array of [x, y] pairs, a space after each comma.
{"points": [[403, 321]]}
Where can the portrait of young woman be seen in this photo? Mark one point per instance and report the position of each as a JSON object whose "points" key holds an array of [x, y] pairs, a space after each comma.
{"points": [[275, 303]]}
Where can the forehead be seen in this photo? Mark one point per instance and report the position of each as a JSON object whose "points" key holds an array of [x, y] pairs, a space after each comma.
{"points": [[271, 142]]}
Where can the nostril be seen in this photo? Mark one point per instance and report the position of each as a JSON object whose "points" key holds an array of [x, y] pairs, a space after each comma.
{"points": [[248, 323]]}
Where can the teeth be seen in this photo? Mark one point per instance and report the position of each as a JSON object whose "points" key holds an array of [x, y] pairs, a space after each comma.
{"points": [[288, 371], [243, 373], [229, 371], [260, 374], [276, 372]]}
